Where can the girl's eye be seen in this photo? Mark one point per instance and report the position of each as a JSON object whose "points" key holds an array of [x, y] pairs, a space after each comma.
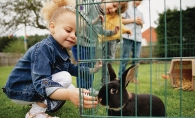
{"points": [[68, 30]]}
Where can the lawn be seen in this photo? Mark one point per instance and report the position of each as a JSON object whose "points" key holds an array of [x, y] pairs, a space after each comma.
{"points": [[178, 103]]}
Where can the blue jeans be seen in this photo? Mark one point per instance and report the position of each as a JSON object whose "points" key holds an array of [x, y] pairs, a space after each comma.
{"points": [[128, 47], [85, 53], [108, 52]]}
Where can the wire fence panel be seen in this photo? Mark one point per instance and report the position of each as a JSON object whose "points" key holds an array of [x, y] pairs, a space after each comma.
{"points": [[153, 84]]}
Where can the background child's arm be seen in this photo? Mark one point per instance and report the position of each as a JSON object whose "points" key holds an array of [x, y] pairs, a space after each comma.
{"points": [[125, 30], [96, 68], [96, 20], [138, 21], [105, 32], [127, 21]]}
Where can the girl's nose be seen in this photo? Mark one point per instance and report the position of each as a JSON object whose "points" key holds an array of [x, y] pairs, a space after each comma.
{"points": [[73, 35]]}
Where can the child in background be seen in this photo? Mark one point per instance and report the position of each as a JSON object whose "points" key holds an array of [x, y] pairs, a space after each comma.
{"points": [[110, 42], [42, 77], [133, 19], [92, 15]]}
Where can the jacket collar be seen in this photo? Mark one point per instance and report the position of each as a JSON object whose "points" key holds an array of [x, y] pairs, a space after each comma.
{"points": [[61, 51]]}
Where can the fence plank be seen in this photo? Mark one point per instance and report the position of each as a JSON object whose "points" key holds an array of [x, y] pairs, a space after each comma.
{"points": [[9, 59]]}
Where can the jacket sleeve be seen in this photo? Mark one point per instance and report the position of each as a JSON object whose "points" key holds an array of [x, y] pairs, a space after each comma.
{"points": [[42, 77]]}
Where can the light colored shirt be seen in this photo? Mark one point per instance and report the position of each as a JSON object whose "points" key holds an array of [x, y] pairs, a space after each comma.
{"points": [[131, 13]]}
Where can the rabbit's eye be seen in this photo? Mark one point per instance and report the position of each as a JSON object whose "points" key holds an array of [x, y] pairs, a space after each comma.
{"points": [[113, 91]]}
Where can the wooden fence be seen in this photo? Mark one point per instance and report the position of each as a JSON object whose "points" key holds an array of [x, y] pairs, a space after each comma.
{"points": [[9, 59]]}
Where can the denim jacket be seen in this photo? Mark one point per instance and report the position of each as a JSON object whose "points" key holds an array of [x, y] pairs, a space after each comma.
{"points": [[33, 73]]}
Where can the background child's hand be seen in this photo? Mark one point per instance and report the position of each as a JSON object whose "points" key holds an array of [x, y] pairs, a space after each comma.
{"points": [[138, 21], [97, 19], [129, 32], [116, 29], [97, 67], [101, 18], [86, 101]]}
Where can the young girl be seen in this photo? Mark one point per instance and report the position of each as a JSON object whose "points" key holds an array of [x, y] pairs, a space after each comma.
{"points": [[42, 77], [92, 14], [110, 42]]}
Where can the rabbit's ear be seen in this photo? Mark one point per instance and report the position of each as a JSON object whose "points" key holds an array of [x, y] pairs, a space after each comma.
{"points": [[111, 72], [129, 74]]}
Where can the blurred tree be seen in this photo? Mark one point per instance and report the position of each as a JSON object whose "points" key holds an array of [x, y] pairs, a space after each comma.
{"points": [[34, 39], [16, 13], [4, 41], [174, 28], [16, 46]]}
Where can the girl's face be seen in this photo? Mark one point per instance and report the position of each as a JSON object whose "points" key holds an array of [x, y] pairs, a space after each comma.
{"points": [[64, 29], [110, 7]]}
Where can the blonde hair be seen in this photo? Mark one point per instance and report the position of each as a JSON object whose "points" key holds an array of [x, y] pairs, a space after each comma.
{"points": [[123, 7], [53, 9]]}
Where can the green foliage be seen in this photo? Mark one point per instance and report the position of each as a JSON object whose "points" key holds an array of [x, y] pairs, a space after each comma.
{"points": [[4, 41], [179, 37], [34, 39], [16, 46]]}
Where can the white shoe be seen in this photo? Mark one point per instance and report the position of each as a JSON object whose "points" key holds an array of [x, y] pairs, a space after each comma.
{"points": [[38, 115]]}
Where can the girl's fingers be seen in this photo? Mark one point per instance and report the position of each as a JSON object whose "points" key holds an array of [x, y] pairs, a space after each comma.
{"points": [[90, 102], [89, 98], [87, 105], [90, 106], [83, 90]]}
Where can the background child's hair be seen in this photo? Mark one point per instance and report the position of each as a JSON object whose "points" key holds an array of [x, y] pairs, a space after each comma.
{"points": [[49, 8], [123, 7]]}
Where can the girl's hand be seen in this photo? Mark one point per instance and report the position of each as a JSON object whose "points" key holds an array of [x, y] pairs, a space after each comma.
{"points": [[101, 18], [129, 32], [138, 21], [116, 29], [97, 66], [85, 100], [97, 19]]}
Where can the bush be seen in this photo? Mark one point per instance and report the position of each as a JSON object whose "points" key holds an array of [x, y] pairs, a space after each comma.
{"points": [[34, 39], [4, 41], [16, 46]]}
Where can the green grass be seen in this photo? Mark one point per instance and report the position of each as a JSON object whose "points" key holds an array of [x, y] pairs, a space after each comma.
{"points": [[178, 103]]}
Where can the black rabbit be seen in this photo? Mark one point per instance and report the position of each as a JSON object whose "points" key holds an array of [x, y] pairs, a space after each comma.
{"points": [[132, 104]]}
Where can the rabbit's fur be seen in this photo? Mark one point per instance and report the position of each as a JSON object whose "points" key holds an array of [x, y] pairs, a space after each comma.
{"points": [[132, 104]]}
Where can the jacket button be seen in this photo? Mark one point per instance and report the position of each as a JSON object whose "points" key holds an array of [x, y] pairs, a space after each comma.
{"points": [[45, 82]]}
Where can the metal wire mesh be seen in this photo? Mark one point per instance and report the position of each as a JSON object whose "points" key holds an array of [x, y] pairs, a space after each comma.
{"points": [[150, 71]]}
